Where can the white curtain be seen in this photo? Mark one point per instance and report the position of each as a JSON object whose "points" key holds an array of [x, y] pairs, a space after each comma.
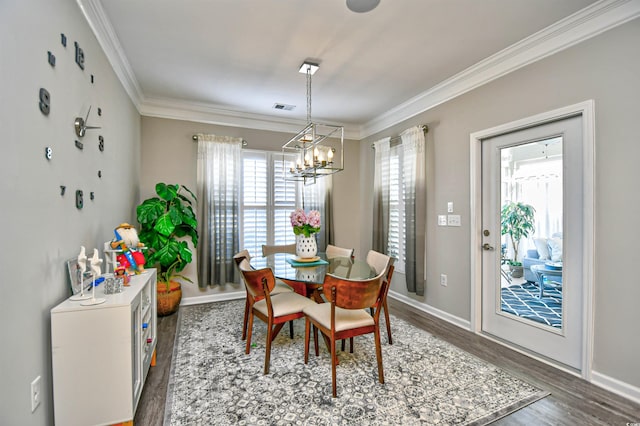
{"points": [[218, 190], [381, 189], [414, 177]]}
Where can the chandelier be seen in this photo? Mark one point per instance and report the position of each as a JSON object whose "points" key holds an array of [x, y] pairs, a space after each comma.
{"points": [[317, 149]]}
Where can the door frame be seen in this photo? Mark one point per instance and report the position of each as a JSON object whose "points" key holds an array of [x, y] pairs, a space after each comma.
{"points": [[586, 110]]}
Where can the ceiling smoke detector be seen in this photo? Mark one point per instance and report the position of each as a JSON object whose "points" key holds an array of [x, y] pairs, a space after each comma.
{"points": [[362, 6]]}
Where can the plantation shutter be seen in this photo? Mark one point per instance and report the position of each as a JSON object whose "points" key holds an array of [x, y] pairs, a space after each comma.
{"points": [[255, 191], [268, 200]]}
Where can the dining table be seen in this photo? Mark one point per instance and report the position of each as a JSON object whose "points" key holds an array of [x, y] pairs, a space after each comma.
{"points": [[306, 276]]}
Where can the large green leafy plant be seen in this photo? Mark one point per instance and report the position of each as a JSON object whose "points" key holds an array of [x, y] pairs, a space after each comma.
{"points": [[518, 222], [164, 221]]}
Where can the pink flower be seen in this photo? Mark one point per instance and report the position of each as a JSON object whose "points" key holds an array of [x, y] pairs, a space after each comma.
{"points": [[305, 224], [298, 218], [313, 219]]}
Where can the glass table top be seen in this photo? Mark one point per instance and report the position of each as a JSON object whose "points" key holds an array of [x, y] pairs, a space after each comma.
{"points": [[343, 267]]}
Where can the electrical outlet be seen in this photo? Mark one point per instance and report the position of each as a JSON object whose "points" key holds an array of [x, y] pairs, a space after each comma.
{"points": [[442, 220], [443, 280], [36, 397]]}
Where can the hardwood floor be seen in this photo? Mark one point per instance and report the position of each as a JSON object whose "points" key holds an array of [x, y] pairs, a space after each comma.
{"points": [[573, 401]]}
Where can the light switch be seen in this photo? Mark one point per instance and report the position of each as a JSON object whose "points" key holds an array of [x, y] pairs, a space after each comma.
{"points": [[453, 220], [442, 220], [450, 207]]}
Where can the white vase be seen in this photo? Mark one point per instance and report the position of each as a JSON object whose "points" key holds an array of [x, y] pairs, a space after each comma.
{"points": [[306, 247]]}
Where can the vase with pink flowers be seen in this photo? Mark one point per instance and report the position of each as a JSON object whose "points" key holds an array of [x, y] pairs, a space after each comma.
{"points": [[305, 226]]}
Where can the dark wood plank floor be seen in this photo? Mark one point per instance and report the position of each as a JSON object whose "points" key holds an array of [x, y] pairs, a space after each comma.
{"points": [[573, 401]]}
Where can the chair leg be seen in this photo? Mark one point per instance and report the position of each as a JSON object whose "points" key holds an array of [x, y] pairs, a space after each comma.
{"points": [[307, 332], [249, 329], [267, 351], [247, 308], [386, 317], [334, 359], [291, 329], [342, 345], [376, 334], [315, 340], [350, 344]]}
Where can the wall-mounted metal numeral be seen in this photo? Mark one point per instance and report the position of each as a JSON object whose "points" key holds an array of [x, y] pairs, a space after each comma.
{"points": [[48, 153], [51, 58], [101, 143], [63, 39], [45, 101], [79, 56], [79, 199]]}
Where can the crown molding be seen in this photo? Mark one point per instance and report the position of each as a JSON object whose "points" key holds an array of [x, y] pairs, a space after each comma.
{"points": [[103, 30], [206, 113], [582, 25]]}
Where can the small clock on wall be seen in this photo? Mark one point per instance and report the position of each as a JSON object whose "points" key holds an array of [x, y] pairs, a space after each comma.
{"points": [[83, 121]]}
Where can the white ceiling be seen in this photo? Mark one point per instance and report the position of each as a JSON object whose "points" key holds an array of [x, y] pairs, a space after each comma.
{"points": [[230, 61]]}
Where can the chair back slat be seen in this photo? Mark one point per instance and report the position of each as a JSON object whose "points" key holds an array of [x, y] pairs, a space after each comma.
{"points": [[272, 249], [254, 280], [334, 251], [353, 294], [378, 261]]}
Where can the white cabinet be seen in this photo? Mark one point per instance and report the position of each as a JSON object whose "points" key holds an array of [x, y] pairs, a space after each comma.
{"points": [[101, 354]]}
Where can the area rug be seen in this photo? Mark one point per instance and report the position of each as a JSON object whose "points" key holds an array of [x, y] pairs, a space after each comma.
{"points": [[523, 300], [427, 381]]}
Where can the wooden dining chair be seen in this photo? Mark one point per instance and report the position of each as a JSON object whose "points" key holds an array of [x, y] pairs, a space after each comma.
{"points": [[275, 310], [382, 263], [345, 316], [280, 287], [334, 251], [283, 248]]}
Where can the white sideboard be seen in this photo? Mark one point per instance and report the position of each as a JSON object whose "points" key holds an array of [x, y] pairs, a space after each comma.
{"points": [[101, 354]]}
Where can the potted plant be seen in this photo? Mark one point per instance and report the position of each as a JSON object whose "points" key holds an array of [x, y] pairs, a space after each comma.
{"points": [[164, 221], [517, 222]]}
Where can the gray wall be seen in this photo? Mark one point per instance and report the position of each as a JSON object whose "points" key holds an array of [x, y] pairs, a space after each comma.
{"points": [[169, 155], [604, 69], [41, 228]]}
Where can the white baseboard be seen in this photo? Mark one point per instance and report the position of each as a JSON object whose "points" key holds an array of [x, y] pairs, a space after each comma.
{"points": [[220, 297], [462, 323], [616, 386]]}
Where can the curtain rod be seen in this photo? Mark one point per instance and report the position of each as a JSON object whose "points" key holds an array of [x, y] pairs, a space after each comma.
{"points": [[195, 138], [424, 127]]}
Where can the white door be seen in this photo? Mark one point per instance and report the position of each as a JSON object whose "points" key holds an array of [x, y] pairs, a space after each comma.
{"points": [[541, 167]]}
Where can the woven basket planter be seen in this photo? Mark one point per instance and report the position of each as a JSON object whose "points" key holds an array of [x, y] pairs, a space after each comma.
{"points": [[169, 300]]}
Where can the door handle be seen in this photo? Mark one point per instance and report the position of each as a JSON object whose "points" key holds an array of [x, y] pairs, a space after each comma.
{"points": [[487, 246]]}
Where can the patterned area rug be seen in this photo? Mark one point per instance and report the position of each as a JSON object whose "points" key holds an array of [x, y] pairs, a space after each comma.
{"points": [[524, 301], [427, 381]]}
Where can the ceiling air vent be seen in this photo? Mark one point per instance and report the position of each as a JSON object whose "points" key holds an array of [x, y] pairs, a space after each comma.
{"points": [[284, 107]]}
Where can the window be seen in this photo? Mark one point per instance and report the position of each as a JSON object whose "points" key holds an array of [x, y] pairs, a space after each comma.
{"points": [[396, 238], [267, 201]]}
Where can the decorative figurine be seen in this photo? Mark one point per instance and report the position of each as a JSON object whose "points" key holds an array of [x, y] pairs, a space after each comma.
{"points": [[82, 267], [95, 262], [126, 239]]}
